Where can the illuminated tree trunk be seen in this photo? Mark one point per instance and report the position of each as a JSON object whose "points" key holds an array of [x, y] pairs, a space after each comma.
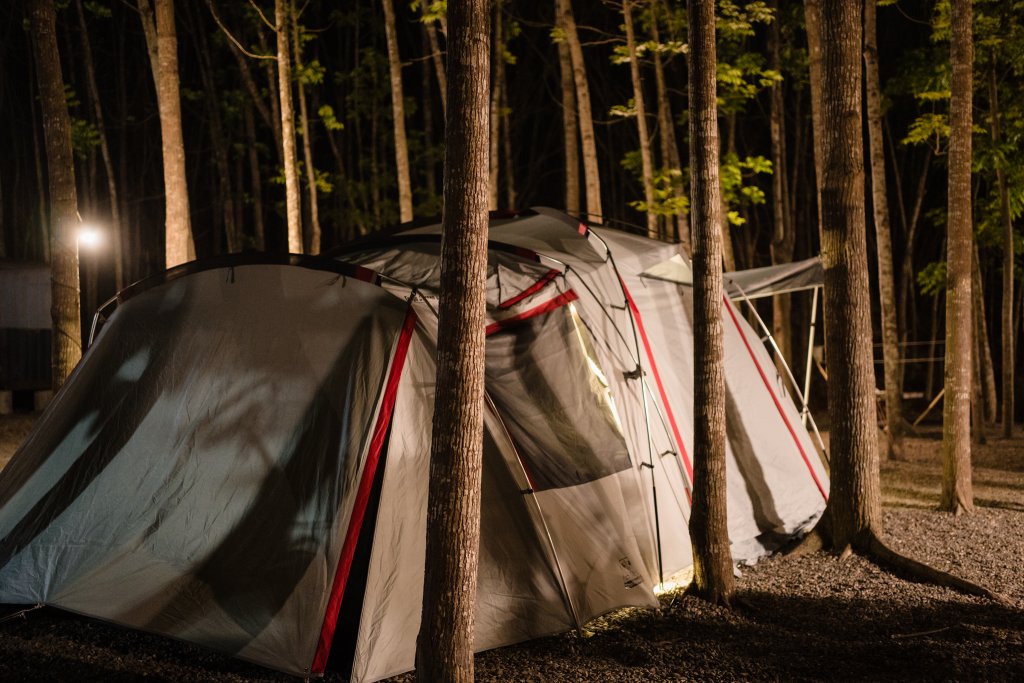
{"points": [[812, 18], [669, 147], [162, 43], [783, 237], [444, 648], [307, 143], [880, 203], [64, 307], [398, 113], [293, 202], [647, 165], [709, 529], [570, 129], [957, 496]]}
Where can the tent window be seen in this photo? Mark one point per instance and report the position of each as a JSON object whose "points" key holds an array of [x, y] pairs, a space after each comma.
{"points": [[553, 396]]}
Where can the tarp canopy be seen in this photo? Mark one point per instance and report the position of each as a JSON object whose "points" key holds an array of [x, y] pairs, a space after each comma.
{"points": [[751, 284]]}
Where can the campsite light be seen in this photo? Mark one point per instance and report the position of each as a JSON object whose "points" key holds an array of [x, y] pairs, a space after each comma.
{"points": [[89, 236]]}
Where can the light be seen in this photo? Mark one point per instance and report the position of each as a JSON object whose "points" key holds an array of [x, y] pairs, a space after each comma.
{"points": [[89, 237]]}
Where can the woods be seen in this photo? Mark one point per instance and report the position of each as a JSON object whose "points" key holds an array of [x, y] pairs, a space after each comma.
{"points": [[863, 154]]}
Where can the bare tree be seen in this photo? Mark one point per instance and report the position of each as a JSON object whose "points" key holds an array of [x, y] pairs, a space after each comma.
{"points": [[957, 496], [444, 648], [880, 203], [570, 129], [162, 44], [709, 529], [591, 177], [64, 308], [646, 163], [398, 113], [293, 202]]}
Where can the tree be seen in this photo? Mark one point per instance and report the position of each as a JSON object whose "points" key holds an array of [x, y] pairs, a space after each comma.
{"points": [[293, 203], [1008, 254], [398, 113], [570, 130], [709, 530], [444, 648], [957, 496], [812, 19], [880, 204], [640, 110], [162, 44], [591, 177], [64, 309], [306, 75]]}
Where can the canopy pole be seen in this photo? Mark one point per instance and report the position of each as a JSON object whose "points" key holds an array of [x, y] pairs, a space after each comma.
{"points": [[810, 357]]}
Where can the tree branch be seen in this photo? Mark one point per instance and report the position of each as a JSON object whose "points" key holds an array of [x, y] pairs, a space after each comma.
{"points": [[237, 44]]}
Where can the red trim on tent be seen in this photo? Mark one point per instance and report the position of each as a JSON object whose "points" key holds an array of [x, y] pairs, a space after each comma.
{"points": [[364, 274], [583, 228], [778, 405], [661, 387], [348, 550], [531, 290], [561, 300]]}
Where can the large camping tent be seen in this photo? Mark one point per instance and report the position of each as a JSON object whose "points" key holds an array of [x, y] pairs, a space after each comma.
{"points": [[240, 460]]}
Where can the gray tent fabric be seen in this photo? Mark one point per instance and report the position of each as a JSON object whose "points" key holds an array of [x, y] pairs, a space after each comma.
{"points": [[240, 460], [751, 284]]}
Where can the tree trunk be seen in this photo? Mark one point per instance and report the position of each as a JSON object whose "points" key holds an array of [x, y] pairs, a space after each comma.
{"points": [[1008, 253], [435, 57], [812, 17], [709, 530], [854, 506], [669, 148], [647, 165], [506, 143], [444, 650], [398, 113], [880, 204], [259, 232], [64, 307], [570, 131], [957, 496], [907, 267], [783, 236], [494, 157], [162, 43], [986, 374], [116, 231], [293, 202], [592, 179], [307, 143]]}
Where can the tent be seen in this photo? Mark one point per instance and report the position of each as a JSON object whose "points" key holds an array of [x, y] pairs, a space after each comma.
{"points": [[240, 460]]}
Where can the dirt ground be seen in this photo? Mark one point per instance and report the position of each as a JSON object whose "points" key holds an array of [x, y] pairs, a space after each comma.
{"points": [[807, 618]]}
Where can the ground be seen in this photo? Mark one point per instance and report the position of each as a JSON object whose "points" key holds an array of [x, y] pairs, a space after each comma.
{"points": [[803, 618]]}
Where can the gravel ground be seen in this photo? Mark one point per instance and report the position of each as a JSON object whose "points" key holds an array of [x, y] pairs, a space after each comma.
{"points": [[802, 618]]}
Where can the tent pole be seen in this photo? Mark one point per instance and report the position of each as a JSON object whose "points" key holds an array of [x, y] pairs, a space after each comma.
{"points": [[810, 356], [789, 373]]}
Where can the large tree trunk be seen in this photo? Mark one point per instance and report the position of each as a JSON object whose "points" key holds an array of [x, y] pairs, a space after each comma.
{"points": [[646, 164], [783, 236], [570, 130], [883, 235], [64, 307], [709, 529], [812, 17], [957, 496], [1007, 308], [108, 164], [398, 113], [293, 202], [592, 179], [307, 143], [444, 648], [854, 505], [162, 43]]}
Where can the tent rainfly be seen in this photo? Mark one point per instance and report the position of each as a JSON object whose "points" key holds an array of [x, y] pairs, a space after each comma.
{"points": [[240, 460]]}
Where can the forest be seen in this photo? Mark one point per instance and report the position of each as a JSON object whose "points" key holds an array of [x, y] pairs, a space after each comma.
{"points": [[884, 136]]}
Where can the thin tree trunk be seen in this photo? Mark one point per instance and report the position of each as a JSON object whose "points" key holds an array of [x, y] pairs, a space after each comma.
{"points": [[907, 268], [444, 649], [854, 504], [398, 112], [957, 496], [669, 148], [293, 202], [783, 236], [259, 231], [494, 160], [880, 203], [435, 57], [307, 143], [977, 383], [570, 130], [506, 143], [429, 174], [108, 164], [812, 17], [1008, 254], [709, 530], [647, 165], [43, 232], [591, 177], [986, 373], [64, 308]]}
